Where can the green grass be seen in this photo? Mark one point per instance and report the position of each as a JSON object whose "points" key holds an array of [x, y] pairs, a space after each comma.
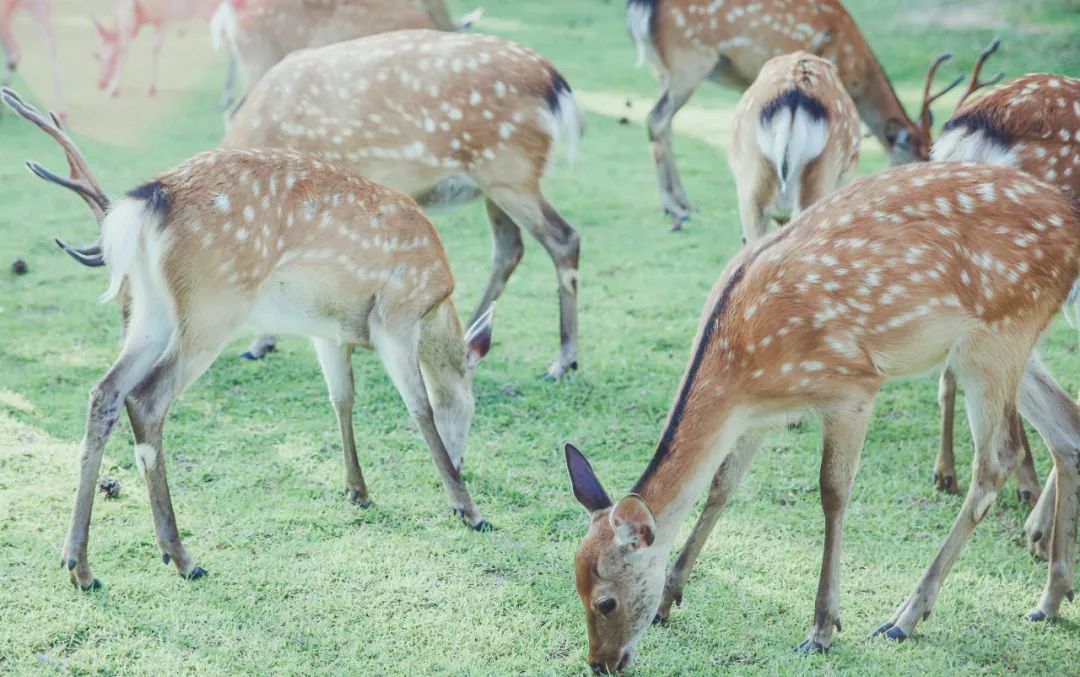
{"points": [[302, 582]]}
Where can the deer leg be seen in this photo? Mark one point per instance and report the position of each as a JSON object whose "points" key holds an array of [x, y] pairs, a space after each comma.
{"points": [[398, 348], [532, 212], [1027, 479], [754, 193], [990, 390], [844, 432], [1057, 419], [945, 466], [1040, 522], [672, 195], [724, 483], [155, 57], [507, 250], [260, 347], [8, 42], [141, 349], [40, 14], [336, 362]]}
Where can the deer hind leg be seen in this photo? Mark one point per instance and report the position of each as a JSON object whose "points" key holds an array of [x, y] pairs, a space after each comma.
{"points": [[1027, 478], [260, 347], [1057, 419], [1040, 523], [756, 191], [398, 347], [843, 433], [991, 405], [724, 483], [532, 212], [507, 250], [335, 360], [673, 97], [945, 466], [142, 347]]}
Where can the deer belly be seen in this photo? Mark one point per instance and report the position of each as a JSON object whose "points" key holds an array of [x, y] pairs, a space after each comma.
{"points": [[293, 308]]}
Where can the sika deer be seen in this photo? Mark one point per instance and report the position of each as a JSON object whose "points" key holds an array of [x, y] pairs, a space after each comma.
{"points": [[686, 41], [261, 33], [1032, 123], [795, 136], [444, 117], [40, 11], [290, 243], [897, 273]]}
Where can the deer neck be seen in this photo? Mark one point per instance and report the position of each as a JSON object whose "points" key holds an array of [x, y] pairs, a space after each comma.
{"points": [[876, 100]]}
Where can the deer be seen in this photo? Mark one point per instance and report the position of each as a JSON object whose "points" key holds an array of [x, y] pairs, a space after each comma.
{"points": [[41, 13], [1032, 123], [260, 33], [686, 41], [131, 16], [795, 136], [444, 117], [291, 243], [895, 274]]}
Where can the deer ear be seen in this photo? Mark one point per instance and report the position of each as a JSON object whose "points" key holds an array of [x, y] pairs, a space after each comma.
{"points": [[478, 338], [633, 523], [587, 488]]}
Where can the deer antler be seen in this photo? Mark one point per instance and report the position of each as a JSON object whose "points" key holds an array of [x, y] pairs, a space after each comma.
{"points": [[975, 84], [81, 181], [926, 118]]}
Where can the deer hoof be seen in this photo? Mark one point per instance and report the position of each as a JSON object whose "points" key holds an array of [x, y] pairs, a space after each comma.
{"points": [[483, 526], [1037, 616], [195, 574], [358, 498], [94, 584], [165, 558], [811, 646], [896, 634]]}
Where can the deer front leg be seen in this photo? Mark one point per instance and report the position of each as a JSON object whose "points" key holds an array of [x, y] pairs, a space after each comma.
{"points": [[336, 362], [945, 466], [843, 433], [724, 483]]}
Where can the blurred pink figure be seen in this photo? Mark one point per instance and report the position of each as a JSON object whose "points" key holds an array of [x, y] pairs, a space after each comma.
{"points": [[40, 11], [131, 16]]}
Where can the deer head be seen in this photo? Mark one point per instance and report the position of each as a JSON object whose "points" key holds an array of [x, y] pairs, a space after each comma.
{"points": [[107, 53]]}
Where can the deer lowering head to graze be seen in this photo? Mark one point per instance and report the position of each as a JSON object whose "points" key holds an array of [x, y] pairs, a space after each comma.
{"points": [[444, 117], [131, 15], [899, 272], [1032, 123], [794, 137], [41, 13], [261, 33], [291, 244], [686, 41]]}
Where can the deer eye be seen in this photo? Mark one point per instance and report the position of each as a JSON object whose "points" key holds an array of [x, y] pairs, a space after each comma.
{"points": [[606, 605]]}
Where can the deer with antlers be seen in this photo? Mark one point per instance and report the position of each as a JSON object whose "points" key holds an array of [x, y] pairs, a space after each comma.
{"points": [[795, 136], [956, 263], [686, 41], [444, 117], [41, 13], [1031, 122], [290, 243], [261, 33]]}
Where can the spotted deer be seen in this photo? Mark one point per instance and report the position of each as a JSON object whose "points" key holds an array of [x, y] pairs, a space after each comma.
{"points": [[795, 136], [261, 33], [444, 117], [1032, 123], [870, 284], [40, 12], [687, 41], [290, 243], [131, 16]]}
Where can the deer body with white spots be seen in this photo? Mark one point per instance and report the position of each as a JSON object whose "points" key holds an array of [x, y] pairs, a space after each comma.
{"points": [[896, 274], [260, 33], [1032, 123], [40, 12], [291, 244], [444, 117], [795, 136], [687, 41]]}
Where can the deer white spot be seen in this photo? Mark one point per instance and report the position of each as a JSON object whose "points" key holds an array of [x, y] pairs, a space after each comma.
{"points": [[221, 201], [786, 368], [249, 213], [500, 88]]}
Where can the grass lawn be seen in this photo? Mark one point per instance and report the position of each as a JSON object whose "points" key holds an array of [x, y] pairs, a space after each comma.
{"points": [[301, 581]]}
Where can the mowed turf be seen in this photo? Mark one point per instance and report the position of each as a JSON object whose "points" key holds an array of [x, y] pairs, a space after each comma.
{"points": [[303, 582]]}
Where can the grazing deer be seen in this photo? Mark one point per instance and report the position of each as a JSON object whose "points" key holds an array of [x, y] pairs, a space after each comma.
{"points": [[40, 11], [686, 41], [444, 117], [916, 266], [795, 136], [1032, 123], [290, 243], [131, 16], [261, 33]]}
